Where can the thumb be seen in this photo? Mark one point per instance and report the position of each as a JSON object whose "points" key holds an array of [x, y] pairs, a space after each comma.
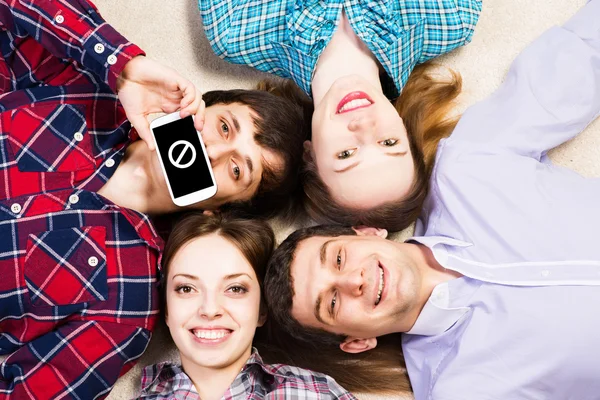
{"points": [[142, 126]]}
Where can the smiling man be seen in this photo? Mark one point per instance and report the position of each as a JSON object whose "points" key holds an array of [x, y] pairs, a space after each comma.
{"points": [[495, 294], [79, 256]]}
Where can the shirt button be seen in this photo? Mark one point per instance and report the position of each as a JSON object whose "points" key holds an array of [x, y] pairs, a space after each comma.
{"points": [[78, 136], [545, 273], [329, 24], [15, 208], [59, 19], [110, 163], [112, 59], [99, 48], [92, 261], [73, 199]]}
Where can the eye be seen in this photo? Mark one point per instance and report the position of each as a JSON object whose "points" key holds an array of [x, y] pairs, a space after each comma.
{"points": [[237, 289], [225, 128], [345, 154], [333, 301], [388, 142], [338, 260], [236, 171], [183, 289]]}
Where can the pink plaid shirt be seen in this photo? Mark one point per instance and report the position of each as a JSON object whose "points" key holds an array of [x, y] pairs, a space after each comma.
{"points": [[256, 381]]}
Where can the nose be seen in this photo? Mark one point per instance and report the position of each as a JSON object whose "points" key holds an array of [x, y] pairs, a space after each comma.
{"points": [[353, 282], [211, 307], [363, 123], [217, 151]]}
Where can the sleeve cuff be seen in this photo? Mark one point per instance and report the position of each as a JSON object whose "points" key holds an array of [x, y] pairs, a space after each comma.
{"points": [[107, 52]]}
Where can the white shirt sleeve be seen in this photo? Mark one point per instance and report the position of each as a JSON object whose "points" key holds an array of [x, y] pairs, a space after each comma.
{"points": [[551, 92]]}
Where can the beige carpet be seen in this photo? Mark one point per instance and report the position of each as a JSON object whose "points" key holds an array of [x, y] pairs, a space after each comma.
{"points": [[170, 31]]}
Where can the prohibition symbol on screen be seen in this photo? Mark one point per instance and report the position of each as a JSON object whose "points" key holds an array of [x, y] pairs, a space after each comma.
{"points": [[178, 152]]}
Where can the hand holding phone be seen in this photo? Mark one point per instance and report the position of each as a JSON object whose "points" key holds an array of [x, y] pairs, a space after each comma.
{"points": [[183, 159]]}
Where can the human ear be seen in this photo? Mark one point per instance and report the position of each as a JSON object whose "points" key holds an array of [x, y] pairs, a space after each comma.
{"points": [[307, 154], [355, 345], [262, 317], [368, 231]]}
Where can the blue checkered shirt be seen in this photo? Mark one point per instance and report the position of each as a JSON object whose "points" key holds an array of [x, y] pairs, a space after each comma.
{"points": [[287, 37]]}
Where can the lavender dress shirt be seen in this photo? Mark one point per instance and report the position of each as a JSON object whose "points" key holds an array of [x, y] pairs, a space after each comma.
{"points": [[524, 321]]}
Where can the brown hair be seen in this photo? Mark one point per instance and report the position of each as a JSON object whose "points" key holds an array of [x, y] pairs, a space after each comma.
{"points": [[424, 106], [281, 126], [380, 370], [254, 238]]}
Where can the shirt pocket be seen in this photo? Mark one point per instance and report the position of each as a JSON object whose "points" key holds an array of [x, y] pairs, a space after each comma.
{"points": [[66, 266], [51, 137]]}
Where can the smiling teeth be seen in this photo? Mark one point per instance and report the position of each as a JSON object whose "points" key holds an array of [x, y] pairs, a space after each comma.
{"points": [[354, 104], [380, 286], [211, 334]]}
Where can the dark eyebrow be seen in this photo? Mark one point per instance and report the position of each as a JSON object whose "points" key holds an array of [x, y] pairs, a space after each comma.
{"points": [[236, 123], [323, 252], [250, 165], [317, 309], [233, 276], [192, 277], [347, 167]]}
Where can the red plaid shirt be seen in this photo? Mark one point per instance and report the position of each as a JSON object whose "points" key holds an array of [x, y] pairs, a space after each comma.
{"points": [[78, 298]]}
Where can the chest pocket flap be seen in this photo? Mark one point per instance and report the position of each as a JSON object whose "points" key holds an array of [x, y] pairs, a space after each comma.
{"points": [[51, 137]]}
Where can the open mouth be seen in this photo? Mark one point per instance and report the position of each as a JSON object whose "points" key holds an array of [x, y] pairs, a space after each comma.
{"points": [[353, 101], [381, 285], [211, 335]]}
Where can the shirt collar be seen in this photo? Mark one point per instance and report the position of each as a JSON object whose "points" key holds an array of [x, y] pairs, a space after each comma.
{"points": [[439, 252], [167, 377], [437, 317]]}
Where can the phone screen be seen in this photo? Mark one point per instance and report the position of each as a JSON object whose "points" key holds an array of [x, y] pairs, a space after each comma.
{"points": [[182, 157]]}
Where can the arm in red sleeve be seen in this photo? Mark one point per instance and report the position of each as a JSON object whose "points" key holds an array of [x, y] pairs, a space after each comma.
{"points": [[71, 29]]}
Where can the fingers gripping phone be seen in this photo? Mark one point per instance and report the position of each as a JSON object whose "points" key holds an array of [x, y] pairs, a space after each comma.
{"points": [[183, 159]]}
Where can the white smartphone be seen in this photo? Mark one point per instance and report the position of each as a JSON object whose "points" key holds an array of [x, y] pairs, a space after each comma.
{"points": [[183, 159]]}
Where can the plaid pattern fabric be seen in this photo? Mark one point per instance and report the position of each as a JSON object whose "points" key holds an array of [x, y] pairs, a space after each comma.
{"points": [[78, 297], [256, 381], [287, 37]]}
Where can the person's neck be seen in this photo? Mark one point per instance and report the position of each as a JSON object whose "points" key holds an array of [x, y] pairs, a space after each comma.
{"points": [[344, 55], [212, 383], [432, 273], [132, 185]]}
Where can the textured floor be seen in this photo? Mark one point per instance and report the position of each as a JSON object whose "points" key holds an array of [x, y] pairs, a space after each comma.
{"points": [[171, 32]]}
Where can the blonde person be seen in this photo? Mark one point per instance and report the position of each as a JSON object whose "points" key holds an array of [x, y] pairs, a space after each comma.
{"points": [[370, 155], [211, 292]]}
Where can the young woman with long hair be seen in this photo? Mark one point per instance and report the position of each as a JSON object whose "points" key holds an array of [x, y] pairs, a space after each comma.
{"points": [[213, 268], [369, 157]]}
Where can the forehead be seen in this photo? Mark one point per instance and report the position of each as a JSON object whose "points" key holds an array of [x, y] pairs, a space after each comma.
{"points": [[371, 183], [210, 257], [306, 267]]}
